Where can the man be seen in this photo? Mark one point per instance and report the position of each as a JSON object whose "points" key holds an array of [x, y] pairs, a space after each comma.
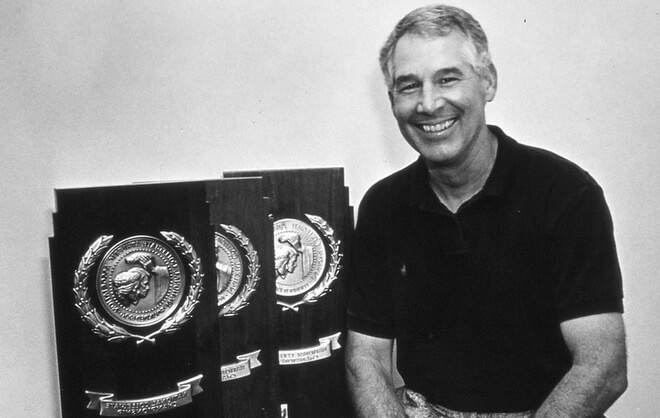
{"points": [[492, 264]]}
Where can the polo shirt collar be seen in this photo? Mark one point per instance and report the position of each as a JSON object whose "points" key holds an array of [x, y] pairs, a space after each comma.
{"points": [[504, 163], [421, 195]]}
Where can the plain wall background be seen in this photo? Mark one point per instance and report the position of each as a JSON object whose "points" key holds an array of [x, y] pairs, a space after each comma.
{"points": [[112, 92]]}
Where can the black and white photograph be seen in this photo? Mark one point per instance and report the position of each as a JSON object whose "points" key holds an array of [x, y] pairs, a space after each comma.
{"points": [[341, 209]]}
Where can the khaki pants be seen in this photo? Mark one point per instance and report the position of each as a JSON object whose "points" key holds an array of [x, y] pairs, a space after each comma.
{"points": [[416, 406]]}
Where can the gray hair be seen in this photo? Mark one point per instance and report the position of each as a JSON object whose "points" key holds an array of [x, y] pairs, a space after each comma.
{"points": [[435, 21]]}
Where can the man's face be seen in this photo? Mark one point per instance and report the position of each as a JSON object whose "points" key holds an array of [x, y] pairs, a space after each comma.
{"points": [[143, 288], [439, 99], [292, 263]]}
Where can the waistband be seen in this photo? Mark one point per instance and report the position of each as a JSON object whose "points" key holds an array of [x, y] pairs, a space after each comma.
{"points": [[416, 405]]}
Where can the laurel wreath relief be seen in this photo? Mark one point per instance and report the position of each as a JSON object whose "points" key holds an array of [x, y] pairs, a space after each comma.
{"points": [[323, 286], [117, 333], [252, 277]]}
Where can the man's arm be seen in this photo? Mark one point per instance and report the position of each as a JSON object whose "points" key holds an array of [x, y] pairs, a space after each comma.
{"points": [[369, 375], [598, 375]]}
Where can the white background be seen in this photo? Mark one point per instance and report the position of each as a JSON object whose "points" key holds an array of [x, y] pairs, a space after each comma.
{"points": [[113, 92]]}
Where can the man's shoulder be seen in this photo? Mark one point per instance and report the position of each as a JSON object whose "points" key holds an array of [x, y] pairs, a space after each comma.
{"points": [[398, 180], [393, 190], [552, 183], [389, 194], [544, 169]]}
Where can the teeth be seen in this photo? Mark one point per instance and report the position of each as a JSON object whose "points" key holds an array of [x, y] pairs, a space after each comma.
{"points": [[439, 127]]}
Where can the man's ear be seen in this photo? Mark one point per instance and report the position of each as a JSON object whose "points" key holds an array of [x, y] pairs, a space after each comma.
{"points": [[490, 78], [391, 97]]}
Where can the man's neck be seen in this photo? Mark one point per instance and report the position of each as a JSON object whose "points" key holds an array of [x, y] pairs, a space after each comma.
{"points": [[455, 185]]}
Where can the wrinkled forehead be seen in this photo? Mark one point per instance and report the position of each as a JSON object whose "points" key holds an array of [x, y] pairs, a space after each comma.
{"points": [[413, 51]]}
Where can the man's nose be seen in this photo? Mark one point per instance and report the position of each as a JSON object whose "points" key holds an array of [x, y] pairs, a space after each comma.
{"points": [[430, 100]]}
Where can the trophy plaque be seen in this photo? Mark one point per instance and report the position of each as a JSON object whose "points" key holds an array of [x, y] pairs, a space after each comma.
{"points": [[135, 303], [245, 297], [312, 222]]}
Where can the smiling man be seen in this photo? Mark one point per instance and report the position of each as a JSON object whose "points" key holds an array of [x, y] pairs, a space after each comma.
{"points": [[492, 264]]}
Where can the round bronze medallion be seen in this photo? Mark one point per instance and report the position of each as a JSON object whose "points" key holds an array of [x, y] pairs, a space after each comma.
{"points": [[300, 257], [140, 281], [228, 268]]}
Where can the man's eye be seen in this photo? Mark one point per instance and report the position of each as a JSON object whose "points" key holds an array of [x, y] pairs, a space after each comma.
{"points": [[407, 88], [448, 81]]}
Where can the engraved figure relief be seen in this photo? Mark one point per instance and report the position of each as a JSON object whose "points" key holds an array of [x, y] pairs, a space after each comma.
{"points": [[131, 285], [287, 254], [141, 283], [304, 268], [135, 283], [299, 257]]}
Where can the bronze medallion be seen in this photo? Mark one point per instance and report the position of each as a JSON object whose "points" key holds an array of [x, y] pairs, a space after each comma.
{"points": [[307, 260], [300, 257], [237, 270], [140, 281], [228, 268]]}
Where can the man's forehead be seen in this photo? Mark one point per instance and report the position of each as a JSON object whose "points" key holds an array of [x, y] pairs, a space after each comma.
{"points": [[413, 53]]}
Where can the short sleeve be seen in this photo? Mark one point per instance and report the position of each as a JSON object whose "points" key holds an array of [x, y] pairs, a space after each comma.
{"points": [[583, 258]]}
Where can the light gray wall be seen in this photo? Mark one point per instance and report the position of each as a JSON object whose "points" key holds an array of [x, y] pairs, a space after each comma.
{"points": [[96, 92]]}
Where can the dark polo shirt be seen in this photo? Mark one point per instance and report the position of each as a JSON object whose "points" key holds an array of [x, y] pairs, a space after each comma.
{"points": [[475, 298]]}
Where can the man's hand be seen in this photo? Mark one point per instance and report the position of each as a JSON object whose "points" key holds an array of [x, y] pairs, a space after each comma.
{"points": [[598, 375], [369, 375]]}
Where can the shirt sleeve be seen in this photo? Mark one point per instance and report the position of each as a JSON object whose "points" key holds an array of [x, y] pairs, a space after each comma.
{"points": [[370, 309], [584, 260]]}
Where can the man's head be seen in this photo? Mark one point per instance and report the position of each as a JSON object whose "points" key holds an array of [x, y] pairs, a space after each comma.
{"points": [[440, 77], [435, 21], [131, 285], [286, 258]]}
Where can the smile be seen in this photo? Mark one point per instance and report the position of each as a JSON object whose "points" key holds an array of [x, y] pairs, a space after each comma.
{"points": [[439, 127]]}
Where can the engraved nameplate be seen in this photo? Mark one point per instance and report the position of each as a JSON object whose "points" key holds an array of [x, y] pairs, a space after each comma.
{"points": [[110, 407], [310, 354], [242, 368]]}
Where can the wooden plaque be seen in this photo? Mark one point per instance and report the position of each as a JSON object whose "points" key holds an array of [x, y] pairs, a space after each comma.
{"points": [[246, 297], [312, 223], [135, 310]]}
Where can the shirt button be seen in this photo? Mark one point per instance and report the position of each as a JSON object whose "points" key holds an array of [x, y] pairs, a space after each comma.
{"points": [[430, 336]]}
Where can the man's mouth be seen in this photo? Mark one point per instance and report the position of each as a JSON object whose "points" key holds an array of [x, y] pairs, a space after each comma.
{"points": [[438, 127]]}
